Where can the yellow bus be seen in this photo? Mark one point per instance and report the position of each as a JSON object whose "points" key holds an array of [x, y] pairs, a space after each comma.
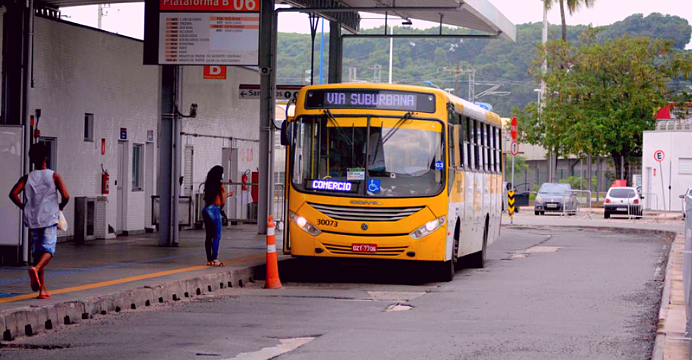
{"points": [[392, 172]]}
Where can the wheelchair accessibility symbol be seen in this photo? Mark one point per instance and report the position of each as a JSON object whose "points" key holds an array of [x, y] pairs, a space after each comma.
{"points": [[374, 185]]}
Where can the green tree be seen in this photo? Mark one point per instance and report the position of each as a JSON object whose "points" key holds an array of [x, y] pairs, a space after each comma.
{"points": [[605, 97], [572, 7]]}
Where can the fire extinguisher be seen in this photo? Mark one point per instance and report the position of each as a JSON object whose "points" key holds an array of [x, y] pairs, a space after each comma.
{"points": [[244, 179], [105, 181]]}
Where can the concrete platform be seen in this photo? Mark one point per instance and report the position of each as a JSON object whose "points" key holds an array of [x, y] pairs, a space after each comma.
{"points": [[127, 272]]}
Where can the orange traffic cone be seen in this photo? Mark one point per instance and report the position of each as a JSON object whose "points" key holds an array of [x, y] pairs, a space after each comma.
{"points": [[273, 281]]}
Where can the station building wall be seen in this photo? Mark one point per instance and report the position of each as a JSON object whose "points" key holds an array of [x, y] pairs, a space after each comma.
{"points": [[80, 70], [675, 169]]}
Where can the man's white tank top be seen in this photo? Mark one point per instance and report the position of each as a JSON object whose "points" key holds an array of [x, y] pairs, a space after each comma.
{"points": [[41, 208]]}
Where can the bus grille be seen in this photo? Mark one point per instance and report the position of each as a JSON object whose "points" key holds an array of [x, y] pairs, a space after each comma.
{"points": [[381, 251], [365, 214]]}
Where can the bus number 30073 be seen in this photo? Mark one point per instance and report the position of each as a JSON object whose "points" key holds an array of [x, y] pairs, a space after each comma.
{"points": [[325, 222]]}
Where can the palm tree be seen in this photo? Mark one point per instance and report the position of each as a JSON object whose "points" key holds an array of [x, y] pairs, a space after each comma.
{"points": [[572, 7]]}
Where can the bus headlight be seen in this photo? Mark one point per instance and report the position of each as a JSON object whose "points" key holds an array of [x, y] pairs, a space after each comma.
{"points": [[428, 228], [303, 224]]}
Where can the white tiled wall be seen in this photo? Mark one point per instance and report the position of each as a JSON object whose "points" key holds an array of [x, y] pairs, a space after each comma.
{"points": [[79, 70]]}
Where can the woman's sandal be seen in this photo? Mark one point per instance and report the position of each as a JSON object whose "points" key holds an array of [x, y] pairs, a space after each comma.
{"points": [[217, 263]]}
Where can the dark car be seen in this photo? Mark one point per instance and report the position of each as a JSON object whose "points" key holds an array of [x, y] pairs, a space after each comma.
{"points": [[623, 200], [555, 197], [687, 196]]}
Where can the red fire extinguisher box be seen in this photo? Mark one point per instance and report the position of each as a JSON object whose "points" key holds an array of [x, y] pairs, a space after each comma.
{"points": [[254, 189]]}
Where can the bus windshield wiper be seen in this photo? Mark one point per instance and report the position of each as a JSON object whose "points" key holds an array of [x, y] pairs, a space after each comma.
{"points": [[330, 117], [396, 127]]}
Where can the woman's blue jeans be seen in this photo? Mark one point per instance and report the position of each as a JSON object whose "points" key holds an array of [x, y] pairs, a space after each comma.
{"points": [[212, 224]]}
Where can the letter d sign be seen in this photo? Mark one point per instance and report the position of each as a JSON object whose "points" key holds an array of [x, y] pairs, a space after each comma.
{"points": [[215, 72]]}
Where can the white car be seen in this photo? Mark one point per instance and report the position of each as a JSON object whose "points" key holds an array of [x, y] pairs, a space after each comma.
{"points": [[687, 196], [623, 200]]}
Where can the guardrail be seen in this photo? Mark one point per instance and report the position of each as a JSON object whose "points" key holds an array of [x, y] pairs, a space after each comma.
{"points": [[687, 265], [578, 199], [185, 205], [241, 207], [647, 201]]}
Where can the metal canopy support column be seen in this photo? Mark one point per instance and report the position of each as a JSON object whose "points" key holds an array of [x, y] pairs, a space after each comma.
{"points": [[267, 63], [169, 163], [335, 48], [27, 65]]}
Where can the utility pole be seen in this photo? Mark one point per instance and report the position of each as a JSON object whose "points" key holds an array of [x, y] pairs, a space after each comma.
{"points": [[376, 73], [352, 74], [472, 81]]}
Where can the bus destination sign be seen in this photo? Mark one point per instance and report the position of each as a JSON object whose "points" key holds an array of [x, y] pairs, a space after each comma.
{"points": [[332, 185], [370, 99]]}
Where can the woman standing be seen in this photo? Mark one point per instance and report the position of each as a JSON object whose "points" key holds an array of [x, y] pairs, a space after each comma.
{"points": [[214, 199]]}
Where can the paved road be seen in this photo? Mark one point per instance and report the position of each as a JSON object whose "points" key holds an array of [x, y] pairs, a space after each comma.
{"points": [[545, 294]]}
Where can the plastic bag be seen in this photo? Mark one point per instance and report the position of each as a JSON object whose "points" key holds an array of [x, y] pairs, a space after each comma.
{"points": [[62, 223]]}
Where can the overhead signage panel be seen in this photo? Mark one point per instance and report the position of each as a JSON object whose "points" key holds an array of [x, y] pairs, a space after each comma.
{"points": [[202, 32]]}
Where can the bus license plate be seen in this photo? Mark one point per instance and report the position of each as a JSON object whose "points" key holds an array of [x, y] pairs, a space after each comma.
{"points": [[367, 248]]}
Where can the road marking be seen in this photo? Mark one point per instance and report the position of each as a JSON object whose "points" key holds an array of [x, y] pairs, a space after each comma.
{"points": [[542, 249], [286, 345], [398, 307], [126, 280]]}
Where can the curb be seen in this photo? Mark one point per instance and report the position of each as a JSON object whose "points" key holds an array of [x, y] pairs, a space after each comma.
{"points": [[659, 343], [30, 320]]}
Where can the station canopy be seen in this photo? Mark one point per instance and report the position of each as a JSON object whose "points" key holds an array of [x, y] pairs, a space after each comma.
{"points": [[471, 14]]}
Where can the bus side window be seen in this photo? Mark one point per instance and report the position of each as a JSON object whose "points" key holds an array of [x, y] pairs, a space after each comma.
{"points": [[476, 152], [461, 148], [489, 150], [451, 146], [470, 144], [496, 149], [499, 150]]}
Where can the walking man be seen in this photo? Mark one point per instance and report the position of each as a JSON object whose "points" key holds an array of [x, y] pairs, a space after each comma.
{"points": [[41, 208]]}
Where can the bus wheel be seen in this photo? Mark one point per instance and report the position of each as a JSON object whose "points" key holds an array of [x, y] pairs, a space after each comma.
{"points": [[477, 260], [447, 269]]}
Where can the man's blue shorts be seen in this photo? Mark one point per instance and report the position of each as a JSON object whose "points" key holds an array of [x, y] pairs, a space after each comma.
{"points": [[44, 239]]}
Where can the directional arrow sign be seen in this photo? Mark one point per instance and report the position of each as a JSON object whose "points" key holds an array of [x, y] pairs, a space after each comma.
{"points": [[252, 91], [510, 203]]}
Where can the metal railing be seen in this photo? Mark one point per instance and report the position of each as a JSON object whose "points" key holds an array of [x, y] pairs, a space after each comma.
{"points": [[185, 205], [582, 199], [647, 201], [241, 206]]}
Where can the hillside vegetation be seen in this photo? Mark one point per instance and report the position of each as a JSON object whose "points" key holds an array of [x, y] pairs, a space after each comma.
{"points": [[495, 61]]}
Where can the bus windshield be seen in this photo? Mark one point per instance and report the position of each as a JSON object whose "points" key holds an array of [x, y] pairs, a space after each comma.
{"points": [[368, 156]]}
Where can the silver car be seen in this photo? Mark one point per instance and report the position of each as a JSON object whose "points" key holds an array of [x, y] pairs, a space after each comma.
{"points": [[686, 197], [556, 197]]}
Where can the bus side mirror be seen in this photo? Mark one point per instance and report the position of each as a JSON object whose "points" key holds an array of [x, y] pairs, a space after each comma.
{"points": [[286, 133]]}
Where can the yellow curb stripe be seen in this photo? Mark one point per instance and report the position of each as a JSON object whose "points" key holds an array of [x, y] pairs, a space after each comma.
{"points": [[126, 280]]}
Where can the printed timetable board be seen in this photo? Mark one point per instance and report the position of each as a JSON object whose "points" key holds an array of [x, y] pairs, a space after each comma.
{"points": [[202, 32]]}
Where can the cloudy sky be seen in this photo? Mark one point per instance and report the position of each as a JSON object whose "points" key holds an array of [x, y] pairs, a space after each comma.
{"points": [[128, 19]]}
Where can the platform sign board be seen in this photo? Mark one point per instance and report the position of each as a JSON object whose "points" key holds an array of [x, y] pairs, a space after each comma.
{"points": [[201, 32]]}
